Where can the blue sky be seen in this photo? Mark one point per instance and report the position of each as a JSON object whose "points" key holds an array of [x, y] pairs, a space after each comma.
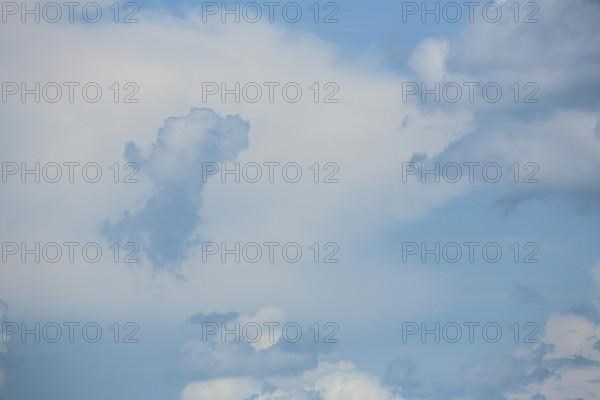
{"points": [[364, 219]]}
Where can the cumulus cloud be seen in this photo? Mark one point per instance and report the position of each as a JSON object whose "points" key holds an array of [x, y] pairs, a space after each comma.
{"points": [[344, 381], [328, 381], [563, 122], [164, 224], [273, 370]]}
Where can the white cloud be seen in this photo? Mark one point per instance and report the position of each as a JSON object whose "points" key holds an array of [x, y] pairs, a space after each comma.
{"points": [[573, 362], [345, 382], [329, 381], [428, 59], [369, 133], [571, 336], [221, 389], [265, 315], [570, 350]]}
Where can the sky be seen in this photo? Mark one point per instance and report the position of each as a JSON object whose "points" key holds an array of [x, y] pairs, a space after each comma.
{"points": [[391, 201]]}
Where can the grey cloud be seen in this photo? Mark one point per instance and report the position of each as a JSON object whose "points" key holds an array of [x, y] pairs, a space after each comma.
{"points": [[561, 132], [566, 70]]}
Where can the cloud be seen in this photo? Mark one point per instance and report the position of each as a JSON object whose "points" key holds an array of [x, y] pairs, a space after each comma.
{"points": [[571, 336], [565, 364], [344, 381], [164, 225], [428, 59], [221, 389], [571, 356], [550, 144], [328, 381], [565, 120], [212, 359], [264, 315], [369, 133], [234, 351], [507, 51], [274, 370]]}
